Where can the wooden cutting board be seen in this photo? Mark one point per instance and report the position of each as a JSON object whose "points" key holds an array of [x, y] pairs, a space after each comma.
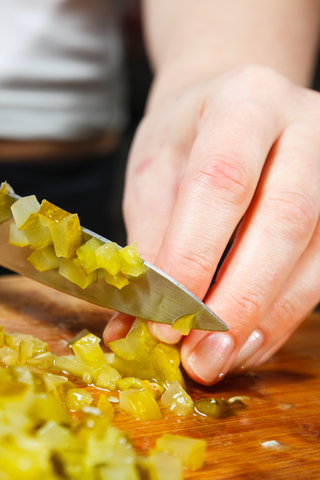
{"points": [[285, 393]]}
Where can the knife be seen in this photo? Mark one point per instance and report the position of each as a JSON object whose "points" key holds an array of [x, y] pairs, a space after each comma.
{"points": [[152, 296]]}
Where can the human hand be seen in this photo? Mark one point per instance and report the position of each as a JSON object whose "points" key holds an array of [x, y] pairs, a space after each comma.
{"points": [[245, 148]]}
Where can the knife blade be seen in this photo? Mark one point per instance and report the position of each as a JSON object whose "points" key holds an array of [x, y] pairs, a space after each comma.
{"points": [[152, 296]]}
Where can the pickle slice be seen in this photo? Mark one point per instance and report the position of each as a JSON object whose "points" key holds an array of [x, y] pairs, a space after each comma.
{"points": [[184, 324], [17, 237], [177, 400], [5, 203], [212, 407], [140, 404], [49, 213], [66, 236], [44, 259], [25, 211], [71, 269], [108, 258], [190, 450], [87, 255], [131, 263]]}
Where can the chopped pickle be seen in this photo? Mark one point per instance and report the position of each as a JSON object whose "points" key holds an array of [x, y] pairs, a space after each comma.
{"points": [[136, 383], [76, 367], [17, 237], [87, 255], [88, 350], [79, 335], [177, 400], [165, 467], [119, 280], [66, 236], [184, 324], [118, 472], [108, 378], [38, 235], [5, 203], [212, 407], [44, 259], [25, 211], [77, 398], [105, 407], [39, 347], [71, 269], [140, 404], [131, 263], [45, 361], [108, 257], [49, 213], [190, 450], [167, 361], [25, 350]]}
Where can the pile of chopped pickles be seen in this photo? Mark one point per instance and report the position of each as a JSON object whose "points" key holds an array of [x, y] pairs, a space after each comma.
{"points": [[57, 240], [39, 438]]}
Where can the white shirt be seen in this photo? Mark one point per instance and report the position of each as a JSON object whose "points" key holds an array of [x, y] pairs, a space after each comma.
{"points": [[61, 74]]}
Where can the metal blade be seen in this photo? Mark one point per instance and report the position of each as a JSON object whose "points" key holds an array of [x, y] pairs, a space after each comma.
{"points": [[151, 296]]}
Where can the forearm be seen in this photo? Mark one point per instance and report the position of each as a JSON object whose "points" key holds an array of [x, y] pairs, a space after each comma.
{"points": [[191, 41]]}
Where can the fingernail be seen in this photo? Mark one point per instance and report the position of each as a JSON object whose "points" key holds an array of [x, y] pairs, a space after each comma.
{"points": [[210, 356], [164, 333], [251, 346]]}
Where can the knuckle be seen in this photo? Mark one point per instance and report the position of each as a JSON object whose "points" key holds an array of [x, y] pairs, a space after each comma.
{"points": [[295, 211], [196, 267], [226, 177]]}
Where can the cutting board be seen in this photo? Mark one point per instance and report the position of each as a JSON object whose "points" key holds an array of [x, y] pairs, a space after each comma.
{"points": [[284, 394]]}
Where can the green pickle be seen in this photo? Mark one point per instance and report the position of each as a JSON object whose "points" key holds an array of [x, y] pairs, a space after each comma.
{"points": [[66, 236], [5, 203], [184, 324], [212, 407], [190, 450], [25, 211]]}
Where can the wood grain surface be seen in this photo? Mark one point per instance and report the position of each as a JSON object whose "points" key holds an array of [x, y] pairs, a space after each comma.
{"points": [[284, 393]]}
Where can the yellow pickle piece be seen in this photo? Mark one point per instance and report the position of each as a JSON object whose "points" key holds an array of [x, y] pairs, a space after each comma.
{"points": [[66, 236], [49, 213], [44, 259], [190, 450], [119, 280], [140, 404], [87, 255], [88, 350], [25, 211], [108, 258], [130, 261], [72, 270], [165, 467], [5, 203], [105, 406], [77, 398], [177, 400], [37, 234], [17, 237], [184, 324]]}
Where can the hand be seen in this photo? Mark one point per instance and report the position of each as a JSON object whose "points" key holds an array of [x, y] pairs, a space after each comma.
{"points": [[241, 150]]}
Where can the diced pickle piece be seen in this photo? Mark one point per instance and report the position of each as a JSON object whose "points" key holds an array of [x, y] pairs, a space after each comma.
{"points": [[165, 467], [71, 269], [136, 383], [77, 398], [184, 324], [167, 361], [38, 235], [58, 437], [45, 361], [44, 259], [108, 257], [105, 407], [79, 335], [212, 407], [131, 263], [5, 203], [140, 404], [89, 351], [118, 472], [39, 346], [190, 450], [119, 280], [49, 213], [66, 236], [25, 211], [17, 237], [25, 350], [108, 378], [177, 400], [76, 367], [45, 408], [87, 255]]}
